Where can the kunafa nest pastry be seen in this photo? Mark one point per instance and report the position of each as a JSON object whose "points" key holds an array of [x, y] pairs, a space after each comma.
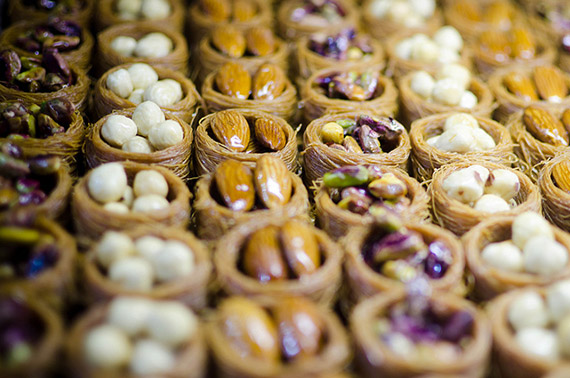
{"points": [[348, 87], [353, 196], [530, 329], [298, 260], [252, 48], [268, 90], [511, 252], [141, 42], [180, 266], [515, 88], [162, 140], [39, 330], [422, 95], [38, 257], [235, 193], [555, 189], [387, 255], [467, 192], [539, 134], [336, 140], [413, 51], [382, 19], [203, 17], [37, 10], [106, 99], [75, 41], [34, 81], [399, 334], [301, 18], [440, 139], [165, 14], [58, 128], [319, 51], [244, 135], [323, 352], [104, 199], [134, 336]]}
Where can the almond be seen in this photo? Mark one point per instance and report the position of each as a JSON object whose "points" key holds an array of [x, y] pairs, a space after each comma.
{"points": [[234, 181], [300, 247], [262, 257], [269, 82], [496, 43], [544, 127], [229, 41], [260, 41], [272, 181], [249, 329], [523, 45], [521, 86], [499, 14], [566, 120], [231, 129], [269, 134], [550, 83], [468, 9], [218, 10], [561, 175], [244, 10], [301, 328], [233, 80]]}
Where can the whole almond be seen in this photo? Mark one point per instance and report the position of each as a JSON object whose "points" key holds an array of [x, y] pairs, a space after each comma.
{"points": [[300, 247], [523, 45], [260, 41], [249, 329], [231, 129], [269, 82], [234, 181], [468, 9], [499, 14], [233, 80], [566, 120], [496, 43], [244, 10], [301, 328], [218, 10], [273, 181], [229, 41], [545, 127], [269, 134], [561, 174], [550, 83], [262, 258], [521, 86]]}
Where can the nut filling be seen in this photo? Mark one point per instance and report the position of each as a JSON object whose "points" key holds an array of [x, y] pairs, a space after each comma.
{"points": [[320, 13], [346, 45]]}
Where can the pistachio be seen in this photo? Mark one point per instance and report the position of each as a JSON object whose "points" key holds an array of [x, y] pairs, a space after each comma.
{"points": [[300, 247], [233, 80], [346, 176], [234, 182], [10, 65], [369, 140], [355, 201], [388, 187], [19, 235], [262, 257], [396, 245], [272, 181], [332, 132], [229, 41], [351, 145], [44, 164], [268, 82], [249, 329], [269, 134], [301, 328], [231, 129]]}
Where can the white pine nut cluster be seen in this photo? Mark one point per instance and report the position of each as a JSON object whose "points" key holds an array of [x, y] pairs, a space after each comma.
{"points": [[409, 13], [147, 131], [444, 47], [140, 83], [108, 185], [140, 335], [143, 9], [542, 324], [461, 134], [152, 45], [484, 190], [138, 264], [449, 87], [533, 248]]}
